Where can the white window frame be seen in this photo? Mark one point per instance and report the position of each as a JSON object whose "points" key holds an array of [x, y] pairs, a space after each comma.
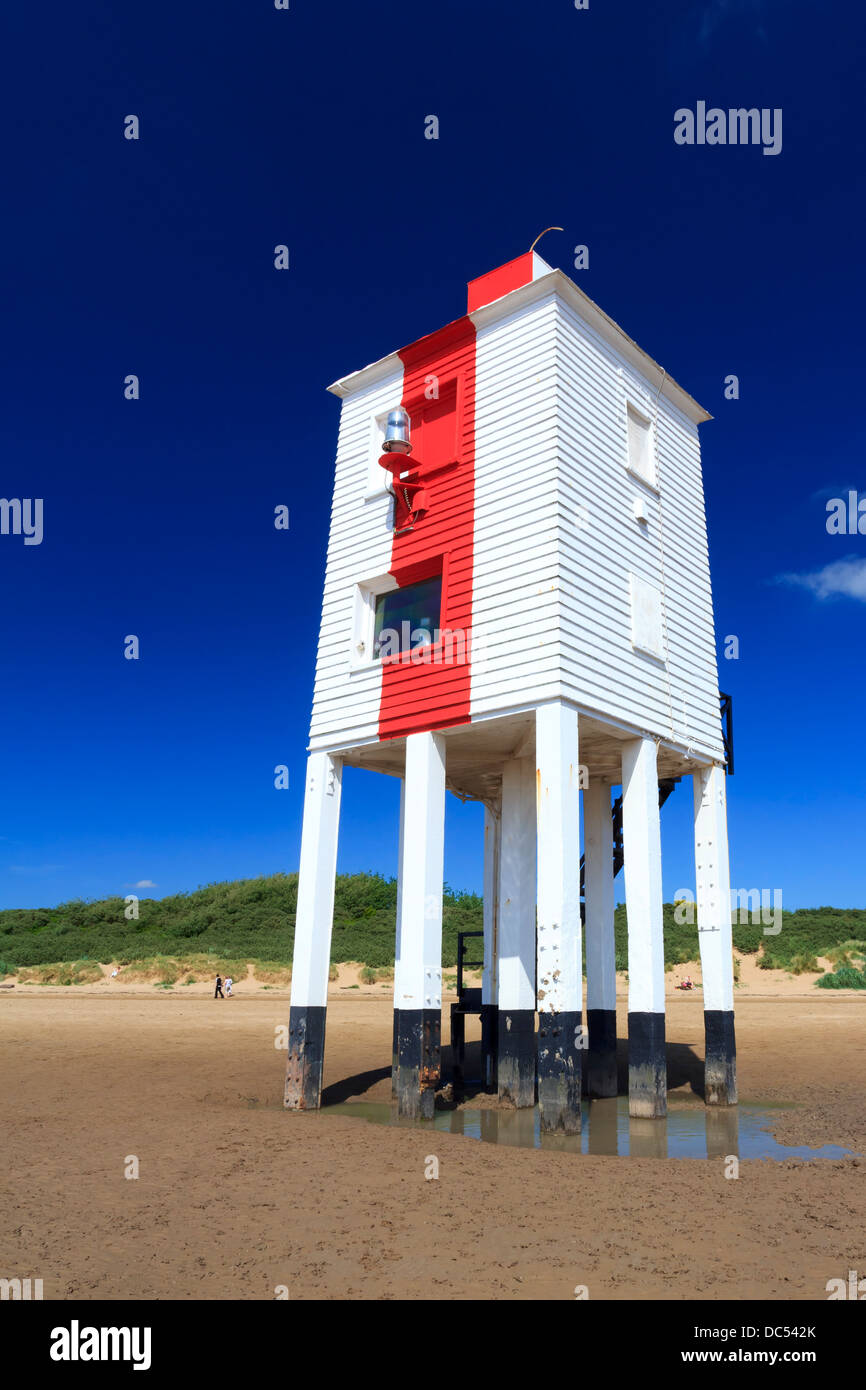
{"points": [[364, 618], [377, 478]]}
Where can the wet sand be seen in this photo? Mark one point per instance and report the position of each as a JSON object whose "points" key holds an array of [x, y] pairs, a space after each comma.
{"points": [[235, 1197]]}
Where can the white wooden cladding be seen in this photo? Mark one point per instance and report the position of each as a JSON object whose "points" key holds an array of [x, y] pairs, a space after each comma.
{"points": [[515, 606], [348, 688], [675, 697]]}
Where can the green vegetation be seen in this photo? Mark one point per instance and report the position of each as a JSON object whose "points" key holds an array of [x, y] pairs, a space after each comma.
{"points": [[843, 977], [369, 976], [804, 935], [804, 964], [77, 972], [848, 953], [227, 925], [272, 972]]}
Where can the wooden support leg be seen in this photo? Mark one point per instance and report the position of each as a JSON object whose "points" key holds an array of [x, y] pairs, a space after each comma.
{"points": [[715, 935], [489, 979], [399, 923], [313, 924], [559, 984], [600, 945], [418, 984], [647, 1070], [516, 1046]]}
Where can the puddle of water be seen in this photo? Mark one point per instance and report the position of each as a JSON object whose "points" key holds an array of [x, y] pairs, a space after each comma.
{"points": [[692, 1132]]}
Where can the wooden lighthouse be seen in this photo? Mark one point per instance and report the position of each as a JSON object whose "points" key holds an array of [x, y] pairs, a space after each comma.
{"points": [[517, 608]]}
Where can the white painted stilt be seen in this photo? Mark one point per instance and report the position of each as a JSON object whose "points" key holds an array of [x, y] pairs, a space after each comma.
{"points": [[489, 978], [313, 925], [397, 933], [418, 986], [600, 945], [647, 1071], [559, 959], [713, 897], [516, 1047]]}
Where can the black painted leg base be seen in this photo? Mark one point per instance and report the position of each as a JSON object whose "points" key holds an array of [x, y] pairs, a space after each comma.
{"points": [[647, 1067], [720, 1058], [559, 1072], [306, 1058], [515, 1073], [601, 1055], [418, 1063], [489, 1045]]}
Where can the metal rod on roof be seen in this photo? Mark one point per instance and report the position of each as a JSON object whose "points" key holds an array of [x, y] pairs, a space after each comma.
{"points": [[544, 233]]}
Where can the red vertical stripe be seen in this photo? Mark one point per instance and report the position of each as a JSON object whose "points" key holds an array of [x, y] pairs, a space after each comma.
{"points": [[418, 695], [498, 282]]}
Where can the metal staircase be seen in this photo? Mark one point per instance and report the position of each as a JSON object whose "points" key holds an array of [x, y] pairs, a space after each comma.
{"points": [[666, 786]]}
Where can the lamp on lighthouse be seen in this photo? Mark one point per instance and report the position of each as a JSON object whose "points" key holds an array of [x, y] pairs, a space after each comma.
{"points": [[397, 429], [410, 497]]}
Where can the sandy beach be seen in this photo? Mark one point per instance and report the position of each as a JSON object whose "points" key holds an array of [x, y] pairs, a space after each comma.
{"points": [[236, 1198]]}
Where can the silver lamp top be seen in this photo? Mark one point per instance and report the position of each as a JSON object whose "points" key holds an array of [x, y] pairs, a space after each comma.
{"points": [[397, 429]]}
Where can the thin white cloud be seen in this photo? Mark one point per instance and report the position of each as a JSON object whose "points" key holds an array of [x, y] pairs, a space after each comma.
{"points": [[840, 579]]}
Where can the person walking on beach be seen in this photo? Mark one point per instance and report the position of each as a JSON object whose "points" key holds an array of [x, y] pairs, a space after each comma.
{"points": [[218, 992], [228, 986]]}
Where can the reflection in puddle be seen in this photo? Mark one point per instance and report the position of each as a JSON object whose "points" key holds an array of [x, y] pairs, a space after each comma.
{"points": [[692, 1132]]}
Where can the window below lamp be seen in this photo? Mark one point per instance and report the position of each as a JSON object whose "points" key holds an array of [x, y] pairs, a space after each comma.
{"points": [[407, 618]]}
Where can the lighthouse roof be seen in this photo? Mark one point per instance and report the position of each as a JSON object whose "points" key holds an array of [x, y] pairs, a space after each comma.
{"points": [[544, 280]]}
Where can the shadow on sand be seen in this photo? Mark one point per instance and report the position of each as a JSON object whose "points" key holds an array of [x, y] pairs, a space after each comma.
{"points": [[685, 1068]]}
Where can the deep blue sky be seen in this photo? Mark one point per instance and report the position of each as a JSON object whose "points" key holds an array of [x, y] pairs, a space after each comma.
{"points": [[307, 127]]}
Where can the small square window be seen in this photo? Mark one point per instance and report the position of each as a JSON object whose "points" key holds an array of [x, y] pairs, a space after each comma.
{"points": [[408, 618], [640, 458]]}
